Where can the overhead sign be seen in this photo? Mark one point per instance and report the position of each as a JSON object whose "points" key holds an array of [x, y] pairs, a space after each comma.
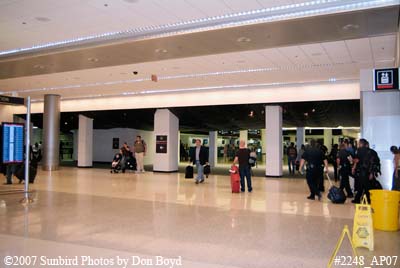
{"points": [[11, 100], [12, 143], [387, 79]]}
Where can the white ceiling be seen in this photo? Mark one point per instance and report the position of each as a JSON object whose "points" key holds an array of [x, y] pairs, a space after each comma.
{"points": [[48, 21], [305, 63]]}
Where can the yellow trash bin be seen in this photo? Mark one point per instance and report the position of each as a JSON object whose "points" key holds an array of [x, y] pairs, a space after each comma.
{"points": [[385, 209]]}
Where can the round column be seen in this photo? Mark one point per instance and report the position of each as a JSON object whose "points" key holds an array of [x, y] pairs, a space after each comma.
{"points": [[51, 132]]}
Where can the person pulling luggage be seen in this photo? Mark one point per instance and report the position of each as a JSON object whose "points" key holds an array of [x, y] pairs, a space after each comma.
{"points": [[343, 162], [242, 157], [316, 160]]}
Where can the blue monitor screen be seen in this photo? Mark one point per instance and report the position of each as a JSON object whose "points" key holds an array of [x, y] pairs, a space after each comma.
{"points": [[13, 143]]}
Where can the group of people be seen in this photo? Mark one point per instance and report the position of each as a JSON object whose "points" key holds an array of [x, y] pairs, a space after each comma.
{"points": [[363, 164], [130, 158], [243, 157]]}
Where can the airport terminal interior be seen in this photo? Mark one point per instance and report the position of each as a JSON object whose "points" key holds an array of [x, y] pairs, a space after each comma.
{"points": [[112, 103]]}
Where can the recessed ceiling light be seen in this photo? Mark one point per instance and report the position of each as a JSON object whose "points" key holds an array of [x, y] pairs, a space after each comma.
{"points": [[23, 22], [42, 19], [350, 26], [106, 5], [243, 39], [313, 110], [38, 66], [93, 59], [160, 50]]}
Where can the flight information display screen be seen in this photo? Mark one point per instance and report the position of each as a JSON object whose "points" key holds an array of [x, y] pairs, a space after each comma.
{"points": [[12, 143]]}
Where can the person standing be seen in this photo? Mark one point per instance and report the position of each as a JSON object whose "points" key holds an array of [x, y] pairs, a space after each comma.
{"points": [[365, 162], [396, 163], [199, 157], [242, 157], [316, 160], [343, 161], [292, 155], [333, 155], [140, 148], [299, 155]]}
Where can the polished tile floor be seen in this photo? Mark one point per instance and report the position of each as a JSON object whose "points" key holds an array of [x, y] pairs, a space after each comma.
{"points": [[90, 212]]}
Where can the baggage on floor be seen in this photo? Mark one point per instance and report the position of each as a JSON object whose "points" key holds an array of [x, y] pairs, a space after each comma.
{"points": [[297, 165], [335, 194], [235, 179], [207, 170], [20, 173], [131, 163], [189, 172]]}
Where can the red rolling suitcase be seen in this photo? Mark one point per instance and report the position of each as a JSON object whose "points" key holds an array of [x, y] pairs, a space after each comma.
{"points": [[235, 179]]}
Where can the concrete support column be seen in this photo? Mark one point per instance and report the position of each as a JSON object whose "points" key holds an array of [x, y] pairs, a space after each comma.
{"points": [[300, 137], [166, 131], [213, 148], [263, 143], [51, 132], [328, 139], [243, 135], [380, 117], [273, 125], [85, 142]]}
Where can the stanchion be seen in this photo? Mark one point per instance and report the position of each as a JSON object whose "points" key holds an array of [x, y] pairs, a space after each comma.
{"points": [[27, 199]]}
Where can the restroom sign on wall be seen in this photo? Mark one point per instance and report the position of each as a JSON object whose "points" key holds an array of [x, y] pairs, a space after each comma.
{"points": [[386, 79]]}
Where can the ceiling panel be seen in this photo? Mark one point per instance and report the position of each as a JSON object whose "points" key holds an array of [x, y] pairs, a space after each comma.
{"points": [[211, 7], [360, 49], [240, 5], [337, 51], [295, 55], [316, 53], [383, 47]]}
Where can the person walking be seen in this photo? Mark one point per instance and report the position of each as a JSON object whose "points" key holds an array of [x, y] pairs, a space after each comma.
{"points": [[396, 163], [199, 157], [332, 156], [242, 158], [366, 165], [140, 149], [299, 155], [316, 160], [291, 153], [343, 162]]}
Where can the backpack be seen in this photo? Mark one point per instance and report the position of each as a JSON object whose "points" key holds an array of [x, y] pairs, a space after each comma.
{"points": [[372, 163]]}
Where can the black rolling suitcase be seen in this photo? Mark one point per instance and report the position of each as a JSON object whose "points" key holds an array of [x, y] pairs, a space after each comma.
{"points": [[335, 194], [189, 172], [20, 173], [207, 170]]}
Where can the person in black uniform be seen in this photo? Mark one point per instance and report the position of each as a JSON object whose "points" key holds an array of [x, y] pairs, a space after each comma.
{"points": [[332, 155], [316, 160], [343, 162], [324, 149], [363, 161]]}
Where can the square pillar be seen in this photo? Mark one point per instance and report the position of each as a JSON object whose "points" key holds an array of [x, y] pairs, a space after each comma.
{"points": [[213, 148], [380, 117], [166, 131], [273, 125], [85, 142], [328, 139], [300, 137], [243, 135]]}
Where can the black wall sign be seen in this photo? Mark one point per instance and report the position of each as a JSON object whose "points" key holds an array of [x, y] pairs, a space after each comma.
{"points": [[161, 144], [387, 79], [11, 100], [115, 143]]}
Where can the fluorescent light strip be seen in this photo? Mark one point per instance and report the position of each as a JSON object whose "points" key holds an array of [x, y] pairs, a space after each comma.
{"points": [[179, 90], [242, 18], [183, 76], [339, 127]]}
